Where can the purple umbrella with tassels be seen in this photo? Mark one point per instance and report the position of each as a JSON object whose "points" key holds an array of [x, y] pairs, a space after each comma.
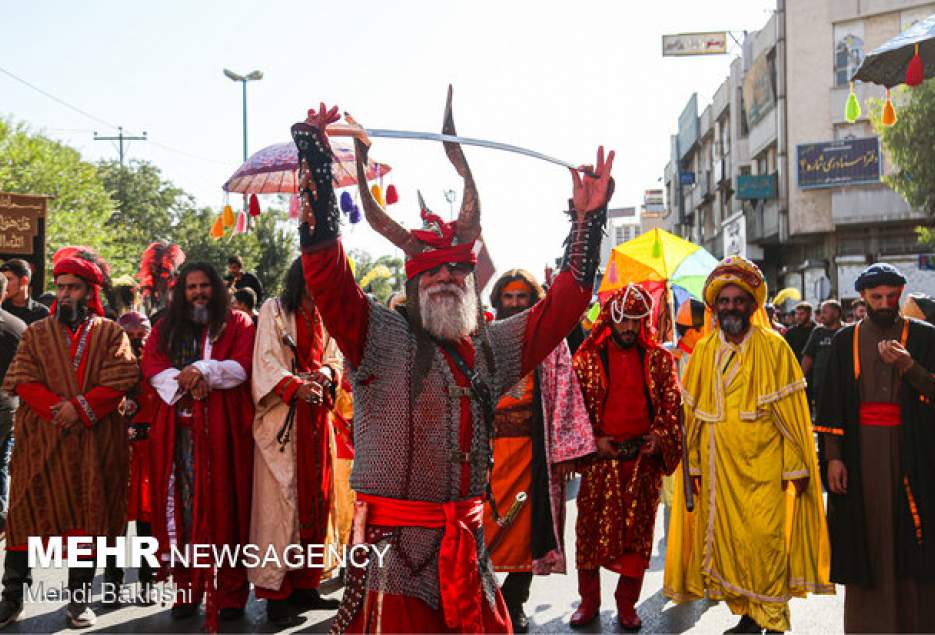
{"points": [[274, 170]]}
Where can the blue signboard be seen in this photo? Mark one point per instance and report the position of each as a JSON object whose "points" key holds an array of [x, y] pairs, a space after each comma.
{"points": [[758, 187], [836, 163], [686, 178]]}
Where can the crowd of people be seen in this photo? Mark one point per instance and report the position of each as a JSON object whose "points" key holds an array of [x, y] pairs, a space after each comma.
{"points": [[207, 421]]}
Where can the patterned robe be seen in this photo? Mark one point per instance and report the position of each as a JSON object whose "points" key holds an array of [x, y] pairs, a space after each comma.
{"points": [[74, 481], [614, 521]]}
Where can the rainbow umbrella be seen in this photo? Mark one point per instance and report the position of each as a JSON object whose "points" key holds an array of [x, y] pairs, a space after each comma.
{"points": [[672, 268]]}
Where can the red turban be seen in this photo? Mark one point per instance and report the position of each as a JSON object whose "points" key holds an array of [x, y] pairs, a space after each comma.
{"points": [[87, 271], [441, 247]]}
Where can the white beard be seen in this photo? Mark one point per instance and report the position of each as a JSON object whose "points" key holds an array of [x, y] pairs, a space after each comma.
{"points": [[449, 313]]}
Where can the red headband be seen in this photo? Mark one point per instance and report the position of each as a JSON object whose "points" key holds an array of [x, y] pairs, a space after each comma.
{"points": [[432, 258]]}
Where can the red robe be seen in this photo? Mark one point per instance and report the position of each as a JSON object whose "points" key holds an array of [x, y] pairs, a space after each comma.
{"points": [[139, 497], [223, 459], [345, 312]]}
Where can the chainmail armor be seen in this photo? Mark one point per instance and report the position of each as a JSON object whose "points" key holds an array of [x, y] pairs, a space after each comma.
{"points": [[404, 451]]}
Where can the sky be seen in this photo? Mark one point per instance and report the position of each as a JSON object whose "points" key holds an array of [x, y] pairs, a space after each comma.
{"points": [[558, 78]]}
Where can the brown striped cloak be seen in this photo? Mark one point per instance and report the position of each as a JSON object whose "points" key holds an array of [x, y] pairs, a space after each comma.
{"points": [[71, 481]]}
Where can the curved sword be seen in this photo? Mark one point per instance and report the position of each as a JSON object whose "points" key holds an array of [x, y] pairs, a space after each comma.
{"points": [[353, 130]]}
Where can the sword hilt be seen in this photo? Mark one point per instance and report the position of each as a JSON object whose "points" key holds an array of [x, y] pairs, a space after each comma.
{"points": [[514, 510]]}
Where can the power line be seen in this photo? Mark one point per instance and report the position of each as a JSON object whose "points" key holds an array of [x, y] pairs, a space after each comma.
{"points": [[104, 121], [61, 101], [188, 154]]}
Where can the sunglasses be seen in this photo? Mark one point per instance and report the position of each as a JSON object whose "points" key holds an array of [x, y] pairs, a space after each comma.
{"points": [[463, 268]]}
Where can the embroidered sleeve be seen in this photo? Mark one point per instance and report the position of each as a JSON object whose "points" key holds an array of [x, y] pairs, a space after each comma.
{"points": [[287, 387]]}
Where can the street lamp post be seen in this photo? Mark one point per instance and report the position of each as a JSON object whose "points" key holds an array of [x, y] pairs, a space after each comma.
{"points": [[243, 79]]}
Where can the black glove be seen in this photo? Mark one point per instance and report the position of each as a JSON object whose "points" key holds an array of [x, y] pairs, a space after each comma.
{"points": [[317, 155]]}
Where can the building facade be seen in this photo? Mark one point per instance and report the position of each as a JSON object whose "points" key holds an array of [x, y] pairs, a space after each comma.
{"points": [[753, 176]]}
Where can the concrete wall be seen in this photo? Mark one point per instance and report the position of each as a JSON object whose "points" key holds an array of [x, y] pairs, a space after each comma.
{"points": [[919, 281], [809, 74], [870, 204], [842, 10]]}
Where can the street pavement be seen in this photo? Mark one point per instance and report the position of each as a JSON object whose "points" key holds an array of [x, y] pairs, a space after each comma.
{"points": [[551, 603]]}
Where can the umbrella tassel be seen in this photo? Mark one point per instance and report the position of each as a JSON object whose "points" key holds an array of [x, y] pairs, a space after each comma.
{"points": [[915, 72], [889, 113], [852, 109]]}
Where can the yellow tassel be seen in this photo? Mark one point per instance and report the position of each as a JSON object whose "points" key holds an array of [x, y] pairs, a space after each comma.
{"points": [[889, 113], [229, 218], [378, 194]]}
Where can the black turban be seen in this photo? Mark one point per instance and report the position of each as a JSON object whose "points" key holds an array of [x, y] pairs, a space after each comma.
{"points": [[879, 274]]}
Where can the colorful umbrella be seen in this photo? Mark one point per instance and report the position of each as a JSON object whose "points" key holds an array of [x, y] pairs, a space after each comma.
{"points": [[273, 170], [664, 264]]}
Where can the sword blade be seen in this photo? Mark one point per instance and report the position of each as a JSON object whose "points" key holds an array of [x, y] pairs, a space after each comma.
{"points": [[468, 141]]}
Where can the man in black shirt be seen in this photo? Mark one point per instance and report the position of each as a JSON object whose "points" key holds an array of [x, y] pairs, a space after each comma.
{"points": [[818, 348], [237, 278], [798, 335], [16, 300], [11, 330]]}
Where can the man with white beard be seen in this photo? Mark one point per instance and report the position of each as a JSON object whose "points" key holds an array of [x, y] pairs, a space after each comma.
{"points": [[426, 380]]}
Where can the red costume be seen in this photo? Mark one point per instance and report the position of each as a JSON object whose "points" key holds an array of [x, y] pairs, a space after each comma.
{"points": [[141, 409], [422, 427], [346, 312], [211, 505], [628, 392]]}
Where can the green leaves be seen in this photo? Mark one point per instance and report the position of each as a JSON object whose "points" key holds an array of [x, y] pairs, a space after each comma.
{"points": [[31, 163], [119, 210], [910, 143]]}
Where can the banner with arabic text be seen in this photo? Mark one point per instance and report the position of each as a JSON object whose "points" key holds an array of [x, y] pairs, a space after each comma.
{"points": [[837, 163]]}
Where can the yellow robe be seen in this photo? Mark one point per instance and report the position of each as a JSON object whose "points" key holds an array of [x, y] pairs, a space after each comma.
{"points": [[749, 541]]}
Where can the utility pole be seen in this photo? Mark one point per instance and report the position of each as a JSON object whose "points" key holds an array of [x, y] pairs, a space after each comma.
{"points": [[120, 138]]}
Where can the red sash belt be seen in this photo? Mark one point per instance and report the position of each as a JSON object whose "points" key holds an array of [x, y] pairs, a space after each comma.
{"points": [[880, 414], [457, 559]]}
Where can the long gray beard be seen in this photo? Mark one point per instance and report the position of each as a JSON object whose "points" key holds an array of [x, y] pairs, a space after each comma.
{"points": [[200, 314], [452, 315]]}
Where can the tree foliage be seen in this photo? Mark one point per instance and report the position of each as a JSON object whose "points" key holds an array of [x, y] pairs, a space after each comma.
{"points": [[78, 213], [268, 248], [146, 209], [911, 144], [120, 209], [381, 286]]}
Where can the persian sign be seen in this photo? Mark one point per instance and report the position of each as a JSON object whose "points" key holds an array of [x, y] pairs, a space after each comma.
{"points": [[679, 44], [835, 163], [19, 222]]}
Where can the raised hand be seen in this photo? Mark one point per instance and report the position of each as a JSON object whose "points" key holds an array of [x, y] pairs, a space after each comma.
{"points": [[593, 191], [323, 116]]}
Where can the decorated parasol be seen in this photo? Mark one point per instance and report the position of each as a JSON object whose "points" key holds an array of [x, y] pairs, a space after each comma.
{"points": [[671, 268], [907, 58], [273, 170]]}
